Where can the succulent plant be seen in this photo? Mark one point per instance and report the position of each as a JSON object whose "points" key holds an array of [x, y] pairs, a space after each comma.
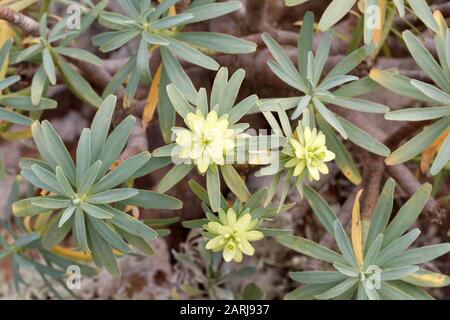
{"points": [[213, 140], [51, 50], [90, 197], [374, 11], [23, 244], [161, 27], [19, 104], [375, 262], [437, 98], [234, 227]]}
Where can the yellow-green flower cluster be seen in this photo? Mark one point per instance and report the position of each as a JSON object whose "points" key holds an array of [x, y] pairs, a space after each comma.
{"points": [[310, 153], [206, 140], [233, 235]]}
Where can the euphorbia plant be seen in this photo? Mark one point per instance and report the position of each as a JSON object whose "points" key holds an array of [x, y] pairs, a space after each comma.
{"points": [[89, 197], [318, 93], [213, 140], [437, 99], [374, 263], [232, 230]]}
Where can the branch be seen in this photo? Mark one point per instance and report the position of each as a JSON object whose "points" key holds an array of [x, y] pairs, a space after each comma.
{"points": [[28, 25], [400, 172]]}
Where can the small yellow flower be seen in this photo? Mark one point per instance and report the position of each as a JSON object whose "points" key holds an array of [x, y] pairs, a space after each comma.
{"points": [[233, 235], [206, 140], [311, 153]]}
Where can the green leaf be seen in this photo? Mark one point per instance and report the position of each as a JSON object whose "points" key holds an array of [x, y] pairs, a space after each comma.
{"points": [[89, 177], [231, 92], [171, 21], [419, 255], [25, 103], [102, 251], [321, 209], [359, 105], [38, 84], [177, 75], [329, 117], [46, 177], [351, 61], [78, 85], [118, 39], [83, 154], [335, 12], [363, 139], [308, 292], [442, 157], [422, 10], [343, 243], [426, 61], [411, 292], [213, 10], [381, 213], [280, 56], [407, 214], [114, 195], [343, 158], [24, 208], [432, 92], [51, 202], [5, 83], [304, 43], [397, 273], [175, 175], [120, 77], [338, 289], [63, 183], [372, 252], [397, 246], [217, 42], [321, 56], [192, 55], [235, 182], [111, 236], [162, 7], [14, 117], [310, 248], [293, 81], [393, 292], [96, 211], [152, 200], [55, 234], [59, 151], [202, 101], [137, 242], [419, 143], [115, 144], [398, 84], [80, 230], [100, 125], [213, 187], [131, 225], [317, 277], [67, 214], [79, 54], [154, 39], [122, 173], [179, 102], [29, 53], [418, 114], [166, 112]]}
